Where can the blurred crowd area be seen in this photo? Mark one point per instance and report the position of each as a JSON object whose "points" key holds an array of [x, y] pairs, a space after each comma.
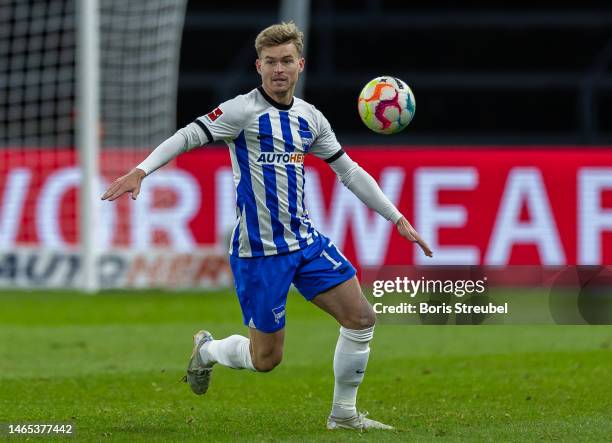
{"points": [[482, 72]]}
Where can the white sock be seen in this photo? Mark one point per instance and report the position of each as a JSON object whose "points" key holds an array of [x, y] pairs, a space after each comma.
{"points": [[350, 361], [232, 352]]}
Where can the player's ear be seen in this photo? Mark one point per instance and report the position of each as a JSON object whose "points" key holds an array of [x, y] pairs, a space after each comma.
{"points": [[258, 65], [301, 63]]}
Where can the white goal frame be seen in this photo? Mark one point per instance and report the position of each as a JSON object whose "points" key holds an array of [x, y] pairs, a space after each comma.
{"points": [[88, 145]]}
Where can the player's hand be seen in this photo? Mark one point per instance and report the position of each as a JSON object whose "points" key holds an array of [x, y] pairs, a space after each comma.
{"points": [[130, 182], [407, 231]]}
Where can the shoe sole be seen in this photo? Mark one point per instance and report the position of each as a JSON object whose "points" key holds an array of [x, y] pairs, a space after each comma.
{"points": [[196, 387], [333, 425]]}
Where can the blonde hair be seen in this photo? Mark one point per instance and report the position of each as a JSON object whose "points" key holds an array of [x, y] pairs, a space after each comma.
{"points": [[280, 34]]}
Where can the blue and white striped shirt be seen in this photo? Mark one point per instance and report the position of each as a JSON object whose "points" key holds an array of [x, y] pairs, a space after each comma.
{"points": [[268, 142]]}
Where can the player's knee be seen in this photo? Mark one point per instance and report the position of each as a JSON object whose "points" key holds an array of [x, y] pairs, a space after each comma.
{"points": [[364, 319], [264, 360], [368, 319], [267, 363]]}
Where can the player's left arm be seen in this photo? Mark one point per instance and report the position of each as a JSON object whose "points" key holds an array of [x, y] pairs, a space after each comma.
{"points": [[360, 183]]}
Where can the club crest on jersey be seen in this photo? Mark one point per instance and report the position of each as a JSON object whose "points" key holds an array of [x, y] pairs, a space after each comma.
{"points": [[214, 114], [273, 158], [307, 139]]}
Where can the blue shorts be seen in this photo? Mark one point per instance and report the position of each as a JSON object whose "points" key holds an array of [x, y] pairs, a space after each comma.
{"points": [[262, 283]]}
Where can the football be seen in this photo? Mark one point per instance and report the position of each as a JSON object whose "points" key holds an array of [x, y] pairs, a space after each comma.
{"points": [[386, 105]]}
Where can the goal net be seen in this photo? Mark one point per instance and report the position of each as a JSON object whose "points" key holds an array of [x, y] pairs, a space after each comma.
{"points": [[40, 178]]}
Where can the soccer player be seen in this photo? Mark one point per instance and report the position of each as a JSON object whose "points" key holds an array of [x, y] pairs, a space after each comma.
{"points": [[268, 132]]}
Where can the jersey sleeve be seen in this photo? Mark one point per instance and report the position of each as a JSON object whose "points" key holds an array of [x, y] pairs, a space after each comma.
{"points": [[325, 146], [226, 121]]}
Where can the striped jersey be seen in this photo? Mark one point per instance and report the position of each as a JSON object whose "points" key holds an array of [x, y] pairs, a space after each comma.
{"points": [[268, 142]]}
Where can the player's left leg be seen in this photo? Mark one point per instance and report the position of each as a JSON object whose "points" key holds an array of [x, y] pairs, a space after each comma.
{"points": [[328, 279], [350, 308]]}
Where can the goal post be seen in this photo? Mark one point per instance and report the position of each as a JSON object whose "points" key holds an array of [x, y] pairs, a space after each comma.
{"points": [[88, 70], [298, 11]]}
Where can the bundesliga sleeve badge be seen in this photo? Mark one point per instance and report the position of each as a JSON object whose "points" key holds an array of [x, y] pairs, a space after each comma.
{"points": [[214, 114]]}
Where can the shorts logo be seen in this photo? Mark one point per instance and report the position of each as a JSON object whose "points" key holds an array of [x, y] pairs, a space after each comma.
{"points": [[271, 158], [279, 313], [214, 114]]}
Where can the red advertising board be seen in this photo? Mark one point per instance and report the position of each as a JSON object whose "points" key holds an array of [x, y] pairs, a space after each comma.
{"points": [[493, 206]]}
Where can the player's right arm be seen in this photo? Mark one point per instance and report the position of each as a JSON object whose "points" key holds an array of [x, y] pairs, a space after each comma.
{"points": [[183, 140], [225, 121]]}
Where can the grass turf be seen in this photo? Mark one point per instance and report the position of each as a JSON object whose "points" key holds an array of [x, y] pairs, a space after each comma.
{"points": [[111, 364]]}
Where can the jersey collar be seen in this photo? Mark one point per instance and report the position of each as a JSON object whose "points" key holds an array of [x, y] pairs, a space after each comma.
{"points": [[273, 102]]}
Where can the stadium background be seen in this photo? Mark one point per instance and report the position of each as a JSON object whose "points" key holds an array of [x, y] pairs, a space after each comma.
{"points": [[507, 161]]}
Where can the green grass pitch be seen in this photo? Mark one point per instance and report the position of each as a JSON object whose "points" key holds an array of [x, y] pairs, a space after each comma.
{"points": [[111, 364]]}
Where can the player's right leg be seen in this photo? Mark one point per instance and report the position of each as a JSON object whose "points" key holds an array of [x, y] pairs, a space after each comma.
{"points": [[261, 285], [266, 349], [261, 352]]}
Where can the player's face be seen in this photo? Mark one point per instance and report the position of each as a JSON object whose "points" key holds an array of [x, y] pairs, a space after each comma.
{"points": [[279, 67]]}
